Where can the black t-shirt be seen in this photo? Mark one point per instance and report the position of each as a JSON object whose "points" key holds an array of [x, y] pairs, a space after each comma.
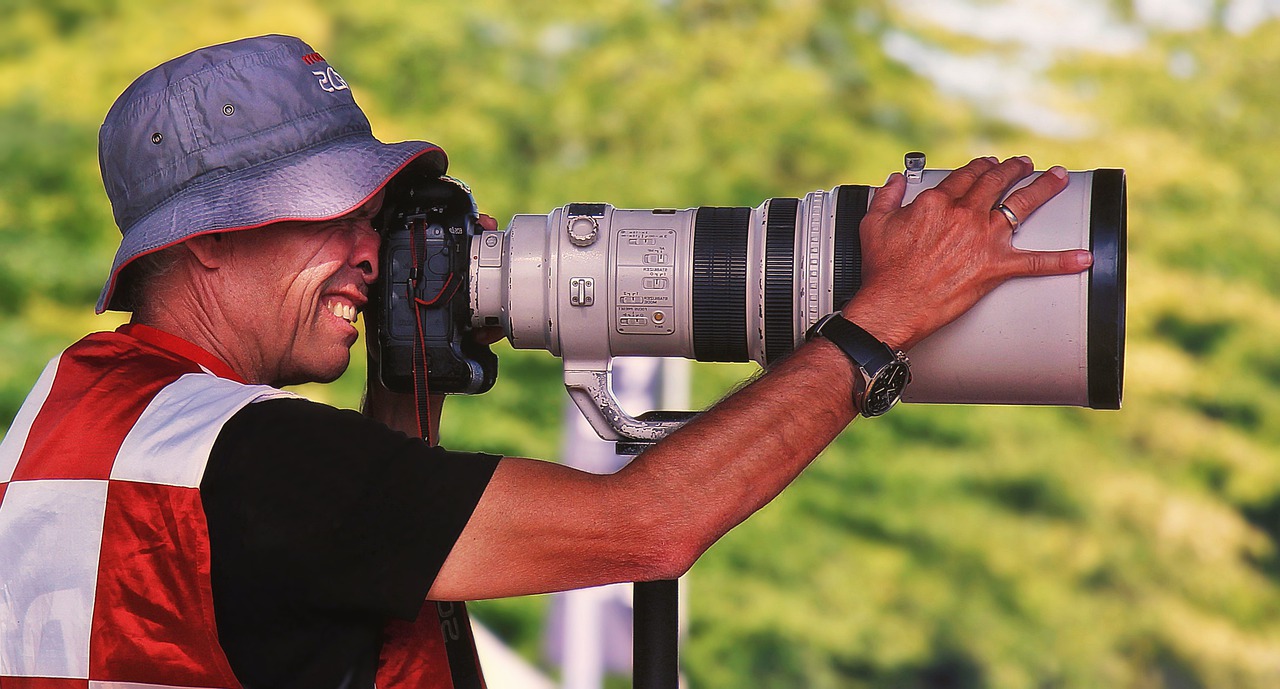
{"points": [[323, 525]]}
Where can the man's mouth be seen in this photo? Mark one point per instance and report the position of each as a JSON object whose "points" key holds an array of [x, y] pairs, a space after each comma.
{"points": [[341, 309]]}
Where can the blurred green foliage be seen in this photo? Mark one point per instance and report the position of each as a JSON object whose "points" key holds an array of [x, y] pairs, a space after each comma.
{"points": [[937, 547]]}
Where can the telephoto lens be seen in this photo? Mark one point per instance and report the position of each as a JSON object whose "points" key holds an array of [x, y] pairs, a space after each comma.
{"points": [[589, 282]]}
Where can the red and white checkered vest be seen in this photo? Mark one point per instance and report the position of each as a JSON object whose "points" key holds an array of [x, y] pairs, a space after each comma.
{"points": [[104, 549]]}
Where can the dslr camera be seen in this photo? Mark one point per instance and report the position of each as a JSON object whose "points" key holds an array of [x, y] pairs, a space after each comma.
{"points": [[422, 299]]}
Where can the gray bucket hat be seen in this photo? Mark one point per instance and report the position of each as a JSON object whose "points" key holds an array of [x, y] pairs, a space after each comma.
{"points": [[237, 136]]}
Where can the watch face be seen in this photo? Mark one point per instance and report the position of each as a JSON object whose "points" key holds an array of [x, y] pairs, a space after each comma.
{"points": [[886, 389]]}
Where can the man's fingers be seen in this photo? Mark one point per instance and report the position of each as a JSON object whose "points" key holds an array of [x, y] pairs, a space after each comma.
{"points": [[488, 335], [1026, 200], [1040, 263], [959, 182], [988, 189]]}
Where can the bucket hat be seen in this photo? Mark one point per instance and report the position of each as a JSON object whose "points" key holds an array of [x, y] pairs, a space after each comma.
{"points": [[238, 136]]}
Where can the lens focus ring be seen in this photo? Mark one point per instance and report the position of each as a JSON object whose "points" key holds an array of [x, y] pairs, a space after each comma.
{"points": [[780, 276], [851, 206], [720, 284]]}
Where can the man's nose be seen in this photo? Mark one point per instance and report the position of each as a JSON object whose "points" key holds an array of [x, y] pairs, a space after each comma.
{"points": [[365, 252]]}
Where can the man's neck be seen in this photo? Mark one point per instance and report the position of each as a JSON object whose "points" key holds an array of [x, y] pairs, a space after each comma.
{"points": [[204, 328]]}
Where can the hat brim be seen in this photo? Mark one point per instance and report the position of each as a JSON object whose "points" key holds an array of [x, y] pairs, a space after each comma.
{"points": [[319, 183]]}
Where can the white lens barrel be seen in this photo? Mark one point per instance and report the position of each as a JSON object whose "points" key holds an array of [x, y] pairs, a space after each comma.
{"points": [[589, 282]]}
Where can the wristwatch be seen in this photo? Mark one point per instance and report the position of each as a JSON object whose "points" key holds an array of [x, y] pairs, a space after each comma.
{"points": [[885, 373]]}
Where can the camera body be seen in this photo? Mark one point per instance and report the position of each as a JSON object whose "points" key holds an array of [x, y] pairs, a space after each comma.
{"points": [[426, 226]]}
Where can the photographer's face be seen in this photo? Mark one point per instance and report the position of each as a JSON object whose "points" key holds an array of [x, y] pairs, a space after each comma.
{"points": [[298, 288]]}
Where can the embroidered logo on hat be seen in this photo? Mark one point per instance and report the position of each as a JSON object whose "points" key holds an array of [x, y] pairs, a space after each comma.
{"points": [[330, 80]]}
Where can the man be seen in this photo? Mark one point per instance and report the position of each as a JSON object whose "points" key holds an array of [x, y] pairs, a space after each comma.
{"points": [[169, 517]]}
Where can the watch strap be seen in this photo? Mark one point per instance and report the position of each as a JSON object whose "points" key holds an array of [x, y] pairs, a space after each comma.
{"points": [[866, 351]]}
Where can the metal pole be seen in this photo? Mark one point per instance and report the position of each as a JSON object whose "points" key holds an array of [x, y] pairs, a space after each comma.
{"points": [[657, 635]]}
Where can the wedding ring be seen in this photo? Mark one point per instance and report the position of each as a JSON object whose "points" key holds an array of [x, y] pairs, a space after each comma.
{"points": [[1008, 215]]}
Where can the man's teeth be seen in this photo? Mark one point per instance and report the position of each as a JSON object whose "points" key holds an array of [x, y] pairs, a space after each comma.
{"points": [[346, 312]]}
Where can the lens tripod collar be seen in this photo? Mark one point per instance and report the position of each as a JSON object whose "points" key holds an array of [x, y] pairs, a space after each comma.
{"points": [[885, 373]]}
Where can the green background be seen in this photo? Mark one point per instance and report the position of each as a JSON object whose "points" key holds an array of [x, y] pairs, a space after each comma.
{"points": [[937, 547]]}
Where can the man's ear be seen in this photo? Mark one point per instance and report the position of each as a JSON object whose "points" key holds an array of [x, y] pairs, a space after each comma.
{"points": [[210, 250]]}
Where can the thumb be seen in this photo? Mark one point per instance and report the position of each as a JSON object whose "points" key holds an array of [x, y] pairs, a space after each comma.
{"points": [[889, 197]]}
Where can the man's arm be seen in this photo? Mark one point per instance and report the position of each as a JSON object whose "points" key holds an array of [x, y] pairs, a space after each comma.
{"points": [[543, 527]]}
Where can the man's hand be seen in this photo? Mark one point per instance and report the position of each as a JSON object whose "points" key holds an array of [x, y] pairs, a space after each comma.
{"points": [[926, 263]]}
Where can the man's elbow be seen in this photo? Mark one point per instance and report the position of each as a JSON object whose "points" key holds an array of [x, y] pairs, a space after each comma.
{"points": [[670, 561], [669, 548]]}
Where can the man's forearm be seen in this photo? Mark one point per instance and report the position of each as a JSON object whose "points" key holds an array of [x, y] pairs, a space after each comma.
{"points": [[737, 456], [544, 527]]}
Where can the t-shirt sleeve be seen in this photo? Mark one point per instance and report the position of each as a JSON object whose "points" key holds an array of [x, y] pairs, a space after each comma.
{"points": [[333, 511]]}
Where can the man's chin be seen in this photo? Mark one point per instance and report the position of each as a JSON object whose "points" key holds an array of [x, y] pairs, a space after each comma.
{"points": [[318, 374]]}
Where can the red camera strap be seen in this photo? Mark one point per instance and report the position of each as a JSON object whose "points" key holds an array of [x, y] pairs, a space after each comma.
{"points": [[421, 390]]}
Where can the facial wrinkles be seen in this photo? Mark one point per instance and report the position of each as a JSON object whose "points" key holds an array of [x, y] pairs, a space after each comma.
{"points": [[287, 274], [280, 278], [325, 273]]}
